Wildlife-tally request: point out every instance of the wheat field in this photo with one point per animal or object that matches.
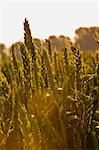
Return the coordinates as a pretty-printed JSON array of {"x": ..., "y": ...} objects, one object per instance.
[{"x": 48, "y": 99}]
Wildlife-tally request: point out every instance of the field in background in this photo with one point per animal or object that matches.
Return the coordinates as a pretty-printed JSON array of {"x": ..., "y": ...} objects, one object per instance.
[{"x": 48, "y": 98}]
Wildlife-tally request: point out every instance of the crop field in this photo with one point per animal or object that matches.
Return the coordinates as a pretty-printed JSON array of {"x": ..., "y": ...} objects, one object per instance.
[{"x": 49, "y": 99}]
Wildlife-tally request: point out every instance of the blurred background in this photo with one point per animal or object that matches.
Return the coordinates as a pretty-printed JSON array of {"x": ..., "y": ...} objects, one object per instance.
[{"x": 47, "y": 18}]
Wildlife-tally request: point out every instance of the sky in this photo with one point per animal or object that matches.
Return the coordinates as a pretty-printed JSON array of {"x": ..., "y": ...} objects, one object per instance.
[{"x": 54, "y": 17}]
